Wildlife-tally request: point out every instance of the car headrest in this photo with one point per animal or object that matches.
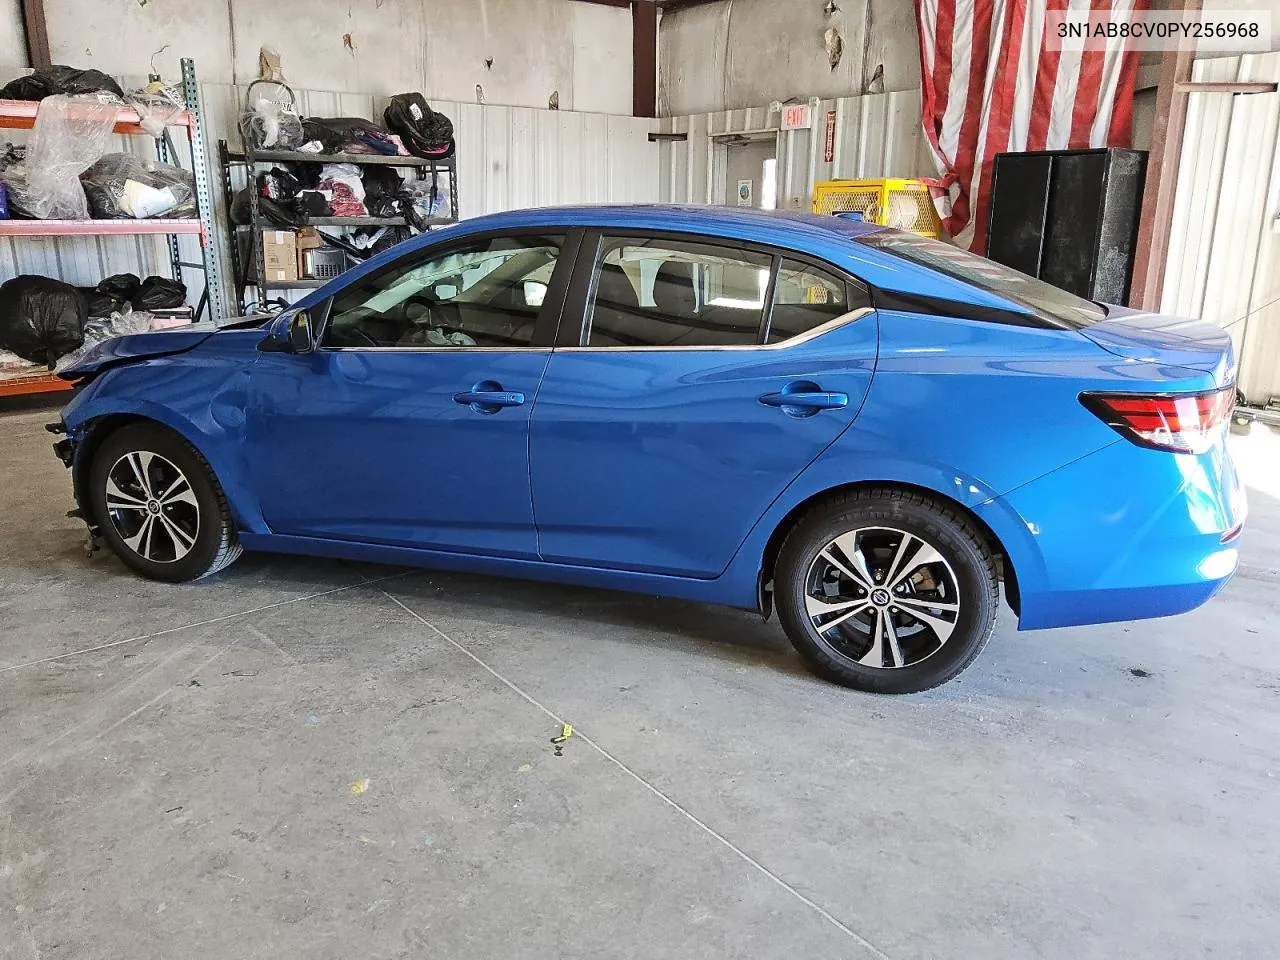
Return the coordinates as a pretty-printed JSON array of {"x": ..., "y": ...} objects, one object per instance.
[
  {"x": 614, "y": 288},
  {"x": 673, "y": 291}
]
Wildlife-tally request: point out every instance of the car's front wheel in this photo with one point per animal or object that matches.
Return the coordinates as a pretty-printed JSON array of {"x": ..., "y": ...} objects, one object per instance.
[
  {"x": 886, "y": 590},
  {"x": 159, "y": 506}
]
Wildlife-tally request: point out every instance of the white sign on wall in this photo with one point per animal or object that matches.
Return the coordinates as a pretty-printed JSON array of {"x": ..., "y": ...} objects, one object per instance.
[
  {"x": 746, "y": 193},
  {"x": 795, "y": 116}
]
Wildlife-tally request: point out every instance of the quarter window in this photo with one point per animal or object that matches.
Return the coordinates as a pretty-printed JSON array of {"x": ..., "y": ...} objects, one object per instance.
[
  {"x": 665, "y": 293},
  {"x": 487, "y": 294},
  {"x": 806, "y": 297}
]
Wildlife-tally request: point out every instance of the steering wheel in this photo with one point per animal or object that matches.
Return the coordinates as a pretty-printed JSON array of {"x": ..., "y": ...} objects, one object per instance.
[{"x": 430, "y": 304}]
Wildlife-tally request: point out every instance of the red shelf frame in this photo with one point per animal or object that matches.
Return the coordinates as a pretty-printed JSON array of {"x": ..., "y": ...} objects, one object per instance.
[
  {"x": 43, "y": 382},
  {"x": 21, "y": 115},
  {"x": 81, "y": 228}
]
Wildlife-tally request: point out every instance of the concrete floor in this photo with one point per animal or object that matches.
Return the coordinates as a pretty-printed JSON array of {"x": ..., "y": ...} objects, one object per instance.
[{"x": 333, "y": 760}]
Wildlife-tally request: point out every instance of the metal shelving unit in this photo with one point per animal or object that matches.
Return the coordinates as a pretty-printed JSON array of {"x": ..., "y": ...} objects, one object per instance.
[
  {"x": 21, "y": 115},
  {"x": 252, "y": 159}
]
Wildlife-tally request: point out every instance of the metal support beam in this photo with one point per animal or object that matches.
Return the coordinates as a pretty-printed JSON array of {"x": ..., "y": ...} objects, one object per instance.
[
  {"x": 37, "y": 34},
  {"x": 1225, "y": 87},
  {"x": 644, "y": 55},
  {"x": 1156, "y": 222}
]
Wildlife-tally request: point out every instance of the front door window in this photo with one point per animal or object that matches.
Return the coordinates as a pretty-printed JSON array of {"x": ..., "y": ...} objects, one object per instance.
[{"x": 488, "y": 294}]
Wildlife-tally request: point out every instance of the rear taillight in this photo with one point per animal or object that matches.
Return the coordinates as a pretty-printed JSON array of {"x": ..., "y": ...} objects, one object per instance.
[{"x": 1178, "y": 422}]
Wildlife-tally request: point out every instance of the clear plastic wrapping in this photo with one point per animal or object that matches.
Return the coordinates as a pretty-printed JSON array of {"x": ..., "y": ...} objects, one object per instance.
[
  {"x": 268, "y": 124},
  {"x": 70, "y": 133},
  {"x": 158, "y": 105},
  {"x": 121, "y": 185},
  {"x": 104, "y": 328}
]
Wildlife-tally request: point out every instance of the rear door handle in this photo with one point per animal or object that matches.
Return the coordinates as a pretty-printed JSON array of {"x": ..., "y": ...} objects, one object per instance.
[
  {"x": 496, "y": 398},
  {"x": 808, "y": 400}
]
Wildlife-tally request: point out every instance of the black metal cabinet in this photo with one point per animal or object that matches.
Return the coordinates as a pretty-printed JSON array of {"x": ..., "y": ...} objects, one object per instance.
[{"x": 1069, "y": 217}]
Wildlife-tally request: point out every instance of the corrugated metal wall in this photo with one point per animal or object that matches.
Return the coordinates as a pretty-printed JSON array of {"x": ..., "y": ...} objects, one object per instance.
[
  {"x": 508, "y": 157},
  {"x": 877, "y": 135},
  {"x": 1224, "y": 255}
]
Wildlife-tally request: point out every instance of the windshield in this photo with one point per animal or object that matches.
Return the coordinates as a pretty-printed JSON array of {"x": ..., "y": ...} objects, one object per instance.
[{"x": 1046, "y": 301}]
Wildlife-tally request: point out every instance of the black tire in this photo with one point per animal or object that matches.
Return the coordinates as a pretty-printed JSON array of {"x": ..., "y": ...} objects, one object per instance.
[
  {"x": 202, "y": 515},
  {"x": 964, "y": 576}
]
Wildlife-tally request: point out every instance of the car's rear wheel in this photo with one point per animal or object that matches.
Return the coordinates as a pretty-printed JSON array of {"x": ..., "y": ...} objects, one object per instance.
[
  {"x": 159, "y": 506},
  {"x": 887, "y": 591}
]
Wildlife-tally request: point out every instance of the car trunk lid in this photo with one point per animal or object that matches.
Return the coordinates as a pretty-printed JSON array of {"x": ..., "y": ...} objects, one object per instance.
[{"x": 1171, "y": 341}]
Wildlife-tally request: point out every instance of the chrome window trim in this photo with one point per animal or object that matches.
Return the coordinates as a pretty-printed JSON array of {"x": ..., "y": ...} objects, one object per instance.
[
  {"x": 833, "y": 323},
  {"x": 434, "y": 349}
]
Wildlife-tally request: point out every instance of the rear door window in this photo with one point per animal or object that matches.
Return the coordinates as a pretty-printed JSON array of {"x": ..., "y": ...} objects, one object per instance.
[
  {"x": 806, "y": 297},
  {"x": 669, "y": 293}
]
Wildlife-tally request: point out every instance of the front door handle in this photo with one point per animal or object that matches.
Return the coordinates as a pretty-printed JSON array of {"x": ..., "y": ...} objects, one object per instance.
[
  {"x": 488, "y": 397},
  {"x": 802, "y": 398}
]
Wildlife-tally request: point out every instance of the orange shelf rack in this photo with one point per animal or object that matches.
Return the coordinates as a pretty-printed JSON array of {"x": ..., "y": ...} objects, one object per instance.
[
  {"x": 96, "y": 228},
  {"x": 21, "y": 115},
  {"x": 42, "y": 382}
]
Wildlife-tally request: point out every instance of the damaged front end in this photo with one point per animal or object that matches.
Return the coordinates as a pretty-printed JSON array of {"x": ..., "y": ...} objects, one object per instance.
[{"x": 67, "y": 450}]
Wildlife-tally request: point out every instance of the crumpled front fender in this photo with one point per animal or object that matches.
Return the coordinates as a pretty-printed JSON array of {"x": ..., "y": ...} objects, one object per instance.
[{"x": 137, "y": 346}]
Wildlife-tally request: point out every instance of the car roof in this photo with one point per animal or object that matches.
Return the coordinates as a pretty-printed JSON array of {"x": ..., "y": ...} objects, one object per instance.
[{"x": 764, "y": 225}]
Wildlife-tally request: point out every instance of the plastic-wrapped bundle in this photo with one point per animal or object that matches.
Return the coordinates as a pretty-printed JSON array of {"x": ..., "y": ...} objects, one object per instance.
[
  {"x": 40, "y": 318},
  {"x": 12, "y": 365},
  {"x": 424, "y": 199},
  {"x": 158, "y": 105},
  {"x": 121, "y": 185},
  {"x": 70, "y": 133},
  {"x": 268, "y": 124},
  {"x": 119, "y": 324}
]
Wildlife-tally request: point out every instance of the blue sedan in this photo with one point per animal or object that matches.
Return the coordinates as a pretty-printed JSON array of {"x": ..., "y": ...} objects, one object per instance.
[{"x": 865, "y": 428}]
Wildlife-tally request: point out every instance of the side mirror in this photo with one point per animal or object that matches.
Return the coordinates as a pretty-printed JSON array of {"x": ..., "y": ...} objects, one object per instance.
[
  {"x": 297, "y": 339},
  {"x": 300, "y": 337}
]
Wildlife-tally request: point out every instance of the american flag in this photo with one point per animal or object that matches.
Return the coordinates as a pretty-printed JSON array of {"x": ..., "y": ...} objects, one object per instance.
[{"x": 991, "y": 84}]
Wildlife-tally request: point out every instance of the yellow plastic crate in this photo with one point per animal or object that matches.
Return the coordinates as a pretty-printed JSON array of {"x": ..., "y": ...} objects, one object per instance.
[{"x": 891, "y": 202}]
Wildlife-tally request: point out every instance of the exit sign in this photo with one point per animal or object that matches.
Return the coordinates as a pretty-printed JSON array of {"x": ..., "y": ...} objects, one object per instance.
[{"x": 795, "y": 116}]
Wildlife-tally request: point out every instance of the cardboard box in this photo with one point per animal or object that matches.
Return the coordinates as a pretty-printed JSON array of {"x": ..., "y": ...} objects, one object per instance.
[
  {"x": 308, "y": 238},
  {"x": 280, "y": 255}
]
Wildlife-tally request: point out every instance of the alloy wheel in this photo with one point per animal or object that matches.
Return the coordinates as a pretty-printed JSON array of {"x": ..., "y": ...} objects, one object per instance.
[
  {"x": 152, "y": 506},
  {"x": 882, "y": 597}
]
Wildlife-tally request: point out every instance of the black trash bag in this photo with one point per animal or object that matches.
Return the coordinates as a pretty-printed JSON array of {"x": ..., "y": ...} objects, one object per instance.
[
  {"x": 278, "y": 184},
  {"x": 280, "y": 214},
  {"x": 41, "y": 318},
  {"x": 423, "y": 131},
  {"x": 59, "y": 78},
  {"x": 336, "y": 132},
  {"x": 159, "y": 293},
  {"x": 382, "y": 187},
  {"x": 312, "y": 203},
  {"x": 121, "y": 287},
  {"x": 97, "y": 303},
  {"x": 390, "y": 237}
]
